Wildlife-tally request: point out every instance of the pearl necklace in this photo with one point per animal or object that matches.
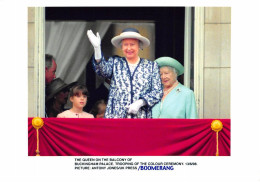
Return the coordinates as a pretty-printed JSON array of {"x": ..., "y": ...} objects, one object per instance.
[{"x": 167, "y": 91}]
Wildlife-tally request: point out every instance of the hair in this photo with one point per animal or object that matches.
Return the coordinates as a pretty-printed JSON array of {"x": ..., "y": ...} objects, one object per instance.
[
  {"x": 48, "y": 60},
  {"x": 140, "y": 44},
  {"x": 95, "y": 109},
  {"x": 173, "y": 70},
  {"x": 77, "y": 89}
]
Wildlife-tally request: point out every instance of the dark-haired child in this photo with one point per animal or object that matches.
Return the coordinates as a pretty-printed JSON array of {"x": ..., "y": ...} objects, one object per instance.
[{"x": 78, "y": 97}]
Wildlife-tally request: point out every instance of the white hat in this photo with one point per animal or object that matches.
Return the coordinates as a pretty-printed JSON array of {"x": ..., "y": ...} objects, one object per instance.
[{"x": 130, "y": 33}]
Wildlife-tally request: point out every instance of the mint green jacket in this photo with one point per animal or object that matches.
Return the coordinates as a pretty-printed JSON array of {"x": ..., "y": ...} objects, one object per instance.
[{"x": 179, "y": 103}]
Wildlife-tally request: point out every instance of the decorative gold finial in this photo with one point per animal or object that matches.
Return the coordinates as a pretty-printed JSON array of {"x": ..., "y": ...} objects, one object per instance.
[
  {"x": 37, "y": 122},
  {"x": 216, "y": 125}
]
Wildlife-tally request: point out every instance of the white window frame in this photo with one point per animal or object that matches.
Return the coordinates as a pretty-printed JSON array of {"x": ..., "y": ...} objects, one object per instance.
[
  {"x": 39, "y": 61},
  {"x": 187, "y": 46},
  {"x": 199, "y": 59}
]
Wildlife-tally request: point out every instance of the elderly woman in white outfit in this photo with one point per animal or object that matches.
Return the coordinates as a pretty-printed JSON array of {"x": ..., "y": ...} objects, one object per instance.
[{"x": 135, "y": 82}]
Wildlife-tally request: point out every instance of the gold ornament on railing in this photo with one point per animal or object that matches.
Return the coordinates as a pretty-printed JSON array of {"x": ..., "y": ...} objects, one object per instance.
[
  {"x": 37, "y": 123},
  {"x": 216, "y": 125}
]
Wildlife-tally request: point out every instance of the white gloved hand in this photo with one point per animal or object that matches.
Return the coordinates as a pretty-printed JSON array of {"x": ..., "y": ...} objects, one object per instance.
[
  {"x": 134, "y": 107},
  {"x": 96, "y": 43}
]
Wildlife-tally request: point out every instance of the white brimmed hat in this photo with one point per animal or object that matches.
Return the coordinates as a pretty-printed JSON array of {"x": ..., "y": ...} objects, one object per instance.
[{"x": 130, "y": 33}]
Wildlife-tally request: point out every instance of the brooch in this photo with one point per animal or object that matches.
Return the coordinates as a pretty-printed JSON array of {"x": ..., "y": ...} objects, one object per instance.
[{"x": 178, "y": 90}]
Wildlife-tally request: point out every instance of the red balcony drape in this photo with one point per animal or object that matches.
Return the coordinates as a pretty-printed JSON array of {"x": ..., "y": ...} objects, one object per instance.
[{"x": 128, "y": 137}]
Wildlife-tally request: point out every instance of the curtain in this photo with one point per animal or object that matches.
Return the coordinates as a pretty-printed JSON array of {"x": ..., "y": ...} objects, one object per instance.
[
  {"x": 128, "y": 137},
  {"x": 68, "y": 42}
]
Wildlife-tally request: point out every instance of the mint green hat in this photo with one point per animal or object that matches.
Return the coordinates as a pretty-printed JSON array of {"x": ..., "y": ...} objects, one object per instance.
[{"x": 168, "y": 61}]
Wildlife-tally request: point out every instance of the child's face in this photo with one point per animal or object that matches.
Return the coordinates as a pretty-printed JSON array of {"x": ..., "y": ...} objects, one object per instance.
[
  {"x": 79, "y": 100},
  {"x": 101, "y": 111}
]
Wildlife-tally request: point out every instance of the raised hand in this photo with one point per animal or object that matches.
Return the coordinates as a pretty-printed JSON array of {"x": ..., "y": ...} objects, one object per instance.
[
  {"x": 95, "y": 40},
  {"x": 96, "y": 43}
]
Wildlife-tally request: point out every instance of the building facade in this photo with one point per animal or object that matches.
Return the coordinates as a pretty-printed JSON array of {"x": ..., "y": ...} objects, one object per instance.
[{"x": 211, "y": 52}]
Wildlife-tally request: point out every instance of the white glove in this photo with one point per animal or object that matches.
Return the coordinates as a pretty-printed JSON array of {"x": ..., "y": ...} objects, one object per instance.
[
  {"x": 96, "y": 43},
  {"x": 134, "y": 107}
]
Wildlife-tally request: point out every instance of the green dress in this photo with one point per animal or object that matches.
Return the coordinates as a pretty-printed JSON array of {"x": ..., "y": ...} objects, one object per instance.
[{"x": 179, "y": 103}]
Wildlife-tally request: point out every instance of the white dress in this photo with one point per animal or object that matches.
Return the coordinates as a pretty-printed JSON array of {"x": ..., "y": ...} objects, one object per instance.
[{"x": 69, "y": 114}]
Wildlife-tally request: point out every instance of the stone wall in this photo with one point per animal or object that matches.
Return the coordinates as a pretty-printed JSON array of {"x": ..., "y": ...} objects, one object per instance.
[
  {"x": 217, "y": 65},
  {"x": 31, "y": 82}
]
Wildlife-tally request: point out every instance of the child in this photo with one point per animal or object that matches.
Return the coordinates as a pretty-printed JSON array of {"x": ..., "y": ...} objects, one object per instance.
[
  {"x": 78, "y": 97},
  {"x": 99, "y": 109}
]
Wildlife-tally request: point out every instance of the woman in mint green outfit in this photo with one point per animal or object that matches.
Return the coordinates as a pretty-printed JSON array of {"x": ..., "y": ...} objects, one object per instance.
[{"x": 178, "y": 101}]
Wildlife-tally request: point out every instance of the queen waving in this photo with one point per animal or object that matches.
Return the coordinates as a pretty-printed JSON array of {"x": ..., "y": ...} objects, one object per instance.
[{"x": 135, "y": 82}]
